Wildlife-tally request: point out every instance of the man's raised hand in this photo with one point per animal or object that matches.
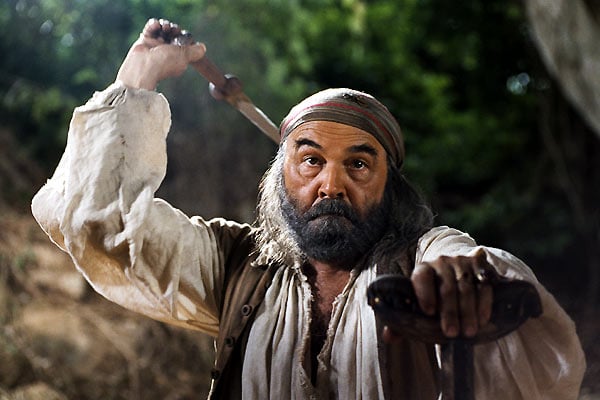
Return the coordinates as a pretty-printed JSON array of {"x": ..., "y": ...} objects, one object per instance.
[{"x": 160, "y": 52}]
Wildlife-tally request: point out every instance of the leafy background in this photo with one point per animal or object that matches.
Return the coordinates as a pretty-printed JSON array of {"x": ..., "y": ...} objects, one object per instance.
[{"x": 490, "y": 140}]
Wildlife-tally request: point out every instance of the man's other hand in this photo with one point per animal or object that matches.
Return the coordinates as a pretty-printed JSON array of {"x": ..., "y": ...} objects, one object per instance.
[{"x": 458, "y": 289}]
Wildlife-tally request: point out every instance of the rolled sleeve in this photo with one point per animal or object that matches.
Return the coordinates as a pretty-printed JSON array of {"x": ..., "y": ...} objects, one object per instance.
[
  {"x": 543, "y": 359},
  {"x": 99, "y": 206}
]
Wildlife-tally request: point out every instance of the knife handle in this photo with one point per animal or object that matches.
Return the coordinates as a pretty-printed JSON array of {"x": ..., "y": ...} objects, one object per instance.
[{"x": 222, "y": 87}]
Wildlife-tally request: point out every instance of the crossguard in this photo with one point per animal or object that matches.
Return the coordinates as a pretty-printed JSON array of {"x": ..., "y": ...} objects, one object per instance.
[{"x": 393, "y": 299}]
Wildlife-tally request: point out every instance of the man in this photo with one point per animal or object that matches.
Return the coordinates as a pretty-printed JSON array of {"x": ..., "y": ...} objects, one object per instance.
[{"x": 286, "y": 298}]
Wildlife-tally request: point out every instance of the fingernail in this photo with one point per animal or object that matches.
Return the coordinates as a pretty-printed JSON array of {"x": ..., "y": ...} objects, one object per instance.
[
  {"x": 470, "y": 331},
  {"x": 451, "y": 331}
]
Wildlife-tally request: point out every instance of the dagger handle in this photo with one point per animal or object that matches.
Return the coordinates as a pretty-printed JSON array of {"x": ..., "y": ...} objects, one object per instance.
[{"x": 222, "y": 87}]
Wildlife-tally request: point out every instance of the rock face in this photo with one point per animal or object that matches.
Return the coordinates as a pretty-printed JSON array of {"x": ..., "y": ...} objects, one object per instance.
[{"x": 36, "y": 391}]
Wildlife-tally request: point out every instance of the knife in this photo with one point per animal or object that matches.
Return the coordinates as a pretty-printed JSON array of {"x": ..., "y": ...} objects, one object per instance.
[{"x": 230, "y": 89}]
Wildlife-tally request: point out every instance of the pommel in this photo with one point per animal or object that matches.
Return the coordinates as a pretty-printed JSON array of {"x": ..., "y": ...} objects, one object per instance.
[{"x": 395, "y": 304}]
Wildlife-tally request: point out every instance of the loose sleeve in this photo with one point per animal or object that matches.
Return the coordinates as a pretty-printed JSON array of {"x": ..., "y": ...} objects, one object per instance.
[
  {"x": 99, "y": 207},
  {"x": 543, "y": 359}
]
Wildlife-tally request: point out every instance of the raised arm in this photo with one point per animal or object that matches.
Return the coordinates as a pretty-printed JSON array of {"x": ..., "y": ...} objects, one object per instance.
[{"x": 99, "y": 206}]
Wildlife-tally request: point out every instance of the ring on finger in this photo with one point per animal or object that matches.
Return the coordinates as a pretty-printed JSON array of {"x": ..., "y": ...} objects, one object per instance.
[{"x": 483, "y": 275}]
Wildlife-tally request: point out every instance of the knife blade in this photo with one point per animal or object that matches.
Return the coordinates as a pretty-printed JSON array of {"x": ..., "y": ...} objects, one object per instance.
[{"x": 230, "y": 89}]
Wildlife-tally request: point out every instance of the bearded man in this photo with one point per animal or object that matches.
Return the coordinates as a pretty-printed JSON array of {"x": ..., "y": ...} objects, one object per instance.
[{"x": 286, "y": 298}]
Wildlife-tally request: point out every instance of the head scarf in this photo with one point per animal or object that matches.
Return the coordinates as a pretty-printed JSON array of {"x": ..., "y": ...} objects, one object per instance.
[{"x": 353, "y": 108}]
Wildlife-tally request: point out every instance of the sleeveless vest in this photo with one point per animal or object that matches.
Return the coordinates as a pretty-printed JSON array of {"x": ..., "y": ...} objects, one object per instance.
[{"x": 246, "y": 285}]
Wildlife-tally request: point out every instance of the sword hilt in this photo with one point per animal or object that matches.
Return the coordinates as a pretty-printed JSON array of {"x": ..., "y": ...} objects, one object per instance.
[{"x": 393, "y": 299}]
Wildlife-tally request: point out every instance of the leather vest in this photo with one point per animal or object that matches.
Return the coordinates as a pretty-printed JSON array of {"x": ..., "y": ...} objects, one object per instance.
[{"x": 245, "y": 288}]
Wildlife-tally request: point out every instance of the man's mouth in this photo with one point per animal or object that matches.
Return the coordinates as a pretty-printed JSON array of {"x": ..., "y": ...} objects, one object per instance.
[
  {"x": 341, "y": 221},
  {"x": 330, "y": 215}
]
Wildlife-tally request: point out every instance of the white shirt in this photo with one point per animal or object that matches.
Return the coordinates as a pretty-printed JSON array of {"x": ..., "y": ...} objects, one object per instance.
[{"x": 142, "y": 253}]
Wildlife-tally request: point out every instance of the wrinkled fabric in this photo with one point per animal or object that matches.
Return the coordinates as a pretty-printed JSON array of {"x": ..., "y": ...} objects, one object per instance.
[
  {"x": 353, "y": 108},
  {"x": 147, "y": 256}
]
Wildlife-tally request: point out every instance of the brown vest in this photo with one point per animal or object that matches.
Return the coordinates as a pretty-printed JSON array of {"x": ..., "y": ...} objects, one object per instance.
[
  {"x": 244, "y": 293},
  {"x": 246, "y": 285}
]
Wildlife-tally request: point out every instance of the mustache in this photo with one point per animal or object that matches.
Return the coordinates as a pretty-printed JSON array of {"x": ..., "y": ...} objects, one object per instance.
[{"x": 331, "y": 207}]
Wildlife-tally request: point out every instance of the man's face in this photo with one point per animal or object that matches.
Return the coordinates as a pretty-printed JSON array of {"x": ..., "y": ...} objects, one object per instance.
[{"x": 335, "y": 177}]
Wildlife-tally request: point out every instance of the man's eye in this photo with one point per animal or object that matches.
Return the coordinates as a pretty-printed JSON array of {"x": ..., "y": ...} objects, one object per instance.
[
  {"x": 311, "y": 160},
  {"x": 358, "y": 164}
]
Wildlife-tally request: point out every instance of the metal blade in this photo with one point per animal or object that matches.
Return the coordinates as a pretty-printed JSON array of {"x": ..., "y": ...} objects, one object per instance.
[
  {"x": 256, "y": 116},
  {"x": 230, "y": 89}
]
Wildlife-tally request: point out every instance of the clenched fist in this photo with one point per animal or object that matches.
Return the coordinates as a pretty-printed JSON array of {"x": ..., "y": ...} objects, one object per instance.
[{"x": 162, "y": 51}]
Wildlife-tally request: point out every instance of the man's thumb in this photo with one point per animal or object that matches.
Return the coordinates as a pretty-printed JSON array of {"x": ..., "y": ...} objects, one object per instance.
[{"x": 195, "y": 52}]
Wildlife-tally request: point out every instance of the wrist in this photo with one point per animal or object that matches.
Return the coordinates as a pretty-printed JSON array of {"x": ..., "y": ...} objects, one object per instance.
[
  {"x": 136, "y": 85},
  {"x": 135, "y": 74}
]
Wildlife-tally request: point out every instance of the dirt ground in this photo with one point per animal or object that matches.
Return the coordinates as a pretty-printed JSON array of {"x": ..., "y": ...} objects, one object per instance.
[{"x": 60, "y": 340}]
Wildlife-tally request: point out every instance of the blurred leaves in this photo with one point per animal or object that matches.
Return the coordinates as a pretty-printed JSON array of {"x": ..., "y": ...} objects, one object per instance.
[
  {"x": 490, "y": 140},
  {"x": 462, "y": 78}
]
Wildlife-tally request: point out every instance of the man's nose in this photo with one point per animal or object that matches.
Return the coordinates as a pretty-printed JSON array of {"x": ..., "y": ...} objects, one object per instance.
[{"x": 332, "y": 183}]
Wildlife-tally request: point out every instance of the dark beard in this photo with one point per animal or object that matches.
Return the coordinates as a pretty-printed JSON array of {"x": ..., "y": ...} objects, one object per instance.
[{"x": 332, "y": 232}]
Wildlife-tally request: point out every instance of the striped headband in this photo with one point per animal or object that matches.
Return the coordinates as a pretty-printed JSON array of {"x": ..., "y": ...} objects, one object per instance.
[{"x": 353, "y": 108}]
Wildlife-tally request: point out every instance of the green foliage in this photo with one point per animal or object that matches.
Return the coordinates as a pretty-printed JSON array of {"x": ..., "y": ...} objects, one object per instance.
[{"x": 461, "y": 78}]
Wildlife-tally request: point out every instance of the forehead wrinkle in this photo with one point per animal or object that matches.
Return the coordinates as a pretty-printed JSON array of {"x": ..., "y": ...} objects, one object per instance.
[
  {"x": 307, "y": 142},
  {"x": 355, "y": 149}
]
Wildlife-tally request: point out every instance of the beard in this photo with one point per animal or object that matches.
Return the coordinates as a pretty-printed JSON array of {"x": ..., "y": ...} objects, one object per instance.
[
  {"x": 287, "y": 235},
  {"x": 332, "y": 231}
]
